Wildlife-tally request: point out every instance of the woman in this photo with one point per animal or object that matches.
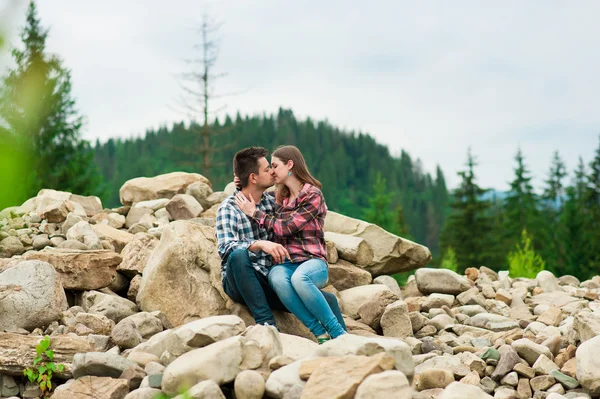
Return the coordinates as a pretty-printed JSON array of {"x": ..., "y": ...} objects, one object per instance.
[{"x": 298, "y": 226}]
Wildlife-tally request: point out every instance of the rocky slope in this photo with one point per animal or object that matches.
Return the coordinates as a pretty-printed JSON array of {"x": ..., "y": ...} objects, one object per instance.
[{"x": 133, "y": 304}]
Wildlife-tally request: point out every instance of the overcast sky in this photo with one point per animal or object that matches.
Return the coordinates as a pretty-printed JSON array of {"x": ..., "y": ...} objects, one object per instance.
[{"x": 432, "y": 78}]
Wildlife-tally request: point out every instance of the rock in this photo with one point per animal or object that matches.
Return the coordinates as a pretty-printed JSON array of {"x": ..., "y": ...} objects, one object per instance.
[
  {"x": 387, "y": 384},
  {"x": 57, "y": 212},
  {"x": 332, "y": 254},
  {"x": 203, "y": 390},
  {"x": 588, "y": 365},
  {"x": 542, "y": 382},
  {"x": 8, "y": 386},
  {"x": 344, "y": 275},
  {"x": 508, "y": 360},
  {"x": 80, "y": 270},
  {"x": 118, "y": 238},
  {"x": 434, "y": 301},
  {"x": 135, "y": 215},
  {"x": 74, "y": 244},
  {"x": 524, "y": 370},
  {"x": 586, "y": 324},
  {"x": 354, "y": 298},
  {"x": 183, "y": 207},
  {"x": 492, "y": 322},
  {"x": 371, "y": 311},
  {"x": 296, "y": 347},
  {"x": 186, "y": 253},
  {"x": 565, "y": 380},
  {"x": 350, "y": 248},
  {"x": 434, "y": 378},
  {"x": 90, "y": 387},
  {"x": 390, "y": 282},
  {"x": 98, "y": 324},
  {"x": 145, "y": 393},
  {"x": 90, "y": 204},
  {"x": 134, "y": 376},
  {"x": 392, "y": 254},
  {"x": 551, "y": 317},
  {"x": 511, "y": 379},
  {"x": 342, "y": 376},
  {"x": 41, "y": 241},
  {"x": 268, "y": 341},
  {"x": 220, "y": 362},
  {"x": 395, "y": 320},
  {"x": 201, "y": 192},
  {"x": 353, "y": 344},
  {"x": 530, "y": 351},
  {"x": 11, "y": 246},
  {"x": 100, "y": 364},
  {"x": 440, "y": 281},
  {"x": 543, "y": 365},
  {"x": 83, "y": 232},
  {"x": 33, "y": 296},
  {"x": 284, "y": 381},
  {"x": 112, "y": 306},
  {"x": 547, "y": 281},
  {"x": 136, "y": 254},
  {"x": 457, "y": 390},
  {"x": 162, "y": 186},
  {"x": 18, "y": 351},
  {"x": 249, "y": 384}
]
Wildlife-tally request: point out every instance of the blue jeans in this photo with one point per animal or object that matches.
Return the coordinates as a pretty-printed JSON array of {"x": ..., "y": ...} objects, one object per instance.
[
  {"x": 298, "y": 286},
  {"x": 247, "y": 286}
]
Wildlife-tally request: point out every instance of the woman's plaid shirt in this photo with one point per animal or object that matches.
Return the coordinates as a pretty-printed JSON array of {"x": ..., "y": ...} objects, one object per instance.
[
  {"x": 236, "y": 231},
  {"x": 298, "y": 225}
]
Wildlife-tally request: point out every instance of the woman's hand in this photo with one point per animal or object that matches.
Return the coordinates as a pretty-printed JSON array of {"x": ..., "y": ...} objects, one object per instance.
[{"x": 247, "y": 206}]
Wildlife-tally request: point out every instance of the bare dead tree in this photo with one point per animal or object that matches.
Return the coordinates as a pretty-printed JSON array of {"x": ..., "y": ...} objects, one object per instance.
[{"x": 199, "y": 93}]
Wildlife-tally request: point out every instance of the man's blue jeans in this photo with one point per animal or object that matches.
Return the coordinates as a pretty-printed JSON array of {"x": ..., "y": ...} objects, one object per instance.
[
  {"x": 298, "y": 286},
  {"x": 247, "y": 286}
]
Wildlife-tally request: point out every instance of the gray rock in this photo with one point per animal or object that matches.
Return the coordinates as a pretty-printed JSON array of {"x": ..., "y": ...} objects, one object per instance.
[
  {"x": 440, "y": 281},
  {"x": 100, "y": 364}
]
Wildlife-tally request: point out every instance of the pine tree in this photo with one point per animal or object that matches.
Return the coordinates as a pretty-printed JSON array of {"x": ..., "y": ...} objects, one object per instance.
[
  {"x": 39, "y": 114},
  {"x": 592, "y": 219},
  {"x": 552, "y": 248},
  {"x": 520, "y": 206},
  {"x": 378, "y": 211},
  {"x": 469, "y": 227},
  {"x": 573, "y": 234}
]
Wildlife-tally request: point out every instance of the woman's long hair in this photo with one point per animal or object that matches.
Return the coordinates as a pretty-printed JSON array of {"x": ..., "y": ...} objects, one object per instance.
[{"x": 289, "y": 152}]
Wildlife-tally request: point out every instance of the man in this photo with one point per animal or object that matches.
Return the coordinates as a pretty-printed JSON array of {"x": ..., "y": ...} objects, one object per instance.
[{"x": 246, "y": 251}]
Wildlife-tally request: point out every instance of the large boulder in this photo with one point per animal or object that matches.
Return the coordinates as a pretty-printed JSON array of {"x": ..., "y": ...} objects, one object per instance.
[
  {"x": 354, "y": 298},
  {"x": 184, "y": 207},
  {"x": 36, "y": 297},
  {"x": 80, "y": 270},
  {"x": 118, "y": 238},
  {"x": 391, "y": 254},
  {"x": 162, "y": 186},
  {"x": 92, "y": 388},
  {"x": 183, "y": 275}
]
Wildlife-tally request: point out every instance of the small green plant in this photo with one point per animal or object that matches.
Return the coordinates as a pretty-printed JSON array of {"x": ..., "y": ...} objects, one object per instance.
[
  {"x": 523, "y": 261},
  {"x": 43, "y": 366},
  {"x": 449, "y": 260}
]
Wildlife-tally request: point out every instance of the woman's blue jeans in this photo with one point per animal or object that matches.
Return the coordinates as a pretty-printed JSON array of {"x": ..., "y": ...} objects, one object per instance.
[{"x": 298, "y": 287}]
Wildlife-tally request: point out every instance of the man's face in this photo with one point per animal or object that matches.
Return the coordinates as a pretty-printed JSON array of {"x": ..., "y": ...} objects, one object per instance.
[{"x": 264, "y": 177}]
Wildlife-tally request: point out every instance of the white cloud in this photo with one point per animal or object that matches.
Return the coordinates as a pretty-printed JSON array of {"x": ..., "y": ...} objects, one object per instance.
[{"x": 430, "y": 77}]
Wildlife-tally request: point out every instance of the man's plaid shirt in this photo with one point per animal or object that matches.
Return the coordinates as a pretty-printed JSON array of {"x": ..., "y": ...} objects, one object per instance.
[{"x": 236, "y": 231}]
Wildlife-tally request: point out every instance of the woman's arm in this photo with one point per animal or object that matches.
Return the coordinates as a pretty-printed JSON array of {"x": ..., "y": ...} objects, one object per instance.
[{"x": 306, "y": 210}]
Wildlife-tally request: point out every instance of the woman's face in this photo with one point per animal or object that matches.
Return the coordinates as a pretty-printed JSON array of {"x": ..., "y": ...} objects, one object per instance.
[{"x": 279, "y": 170}]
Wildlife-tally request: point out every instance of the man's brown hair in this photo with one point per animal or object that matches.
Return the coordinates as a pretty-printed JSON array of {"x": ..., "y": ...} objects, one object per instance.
[{"x": 245, "y": 162}]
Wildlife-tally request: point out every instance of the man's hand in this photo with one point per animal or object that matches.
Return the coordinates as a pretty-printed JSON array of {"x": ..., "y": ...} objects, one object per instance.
[{"x": 277, "y": 251}]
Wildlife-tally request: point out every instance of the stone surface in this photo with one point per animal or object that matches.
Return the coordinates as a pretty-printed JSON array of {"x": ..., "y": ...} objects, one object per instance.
[
  {"x": 32, "y": 296},
  {"x": 135, "y": 255},
  {"x": 344, "y": 275},
  {"x": 351, "y": 248},
  {"x": 440, "y": 281},
  {"x": 183, "y": 275},
  {"x": 80, "y": 270},
  {"x": 391, "y": 254},
  {"x": 162, "y": 186},
  {"x": 90, "y": 387}
]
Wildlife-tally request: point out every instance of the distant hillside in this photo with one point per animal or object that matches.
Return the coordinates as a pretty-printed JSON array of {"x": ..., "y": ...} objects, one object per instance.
[{"x": 347, "y": 163}]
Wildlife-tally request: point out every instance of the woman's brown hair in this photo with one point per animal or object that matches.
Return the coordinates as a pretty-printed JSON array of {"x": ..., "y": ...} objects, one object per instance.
[{"x": 289, "y": 152}]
